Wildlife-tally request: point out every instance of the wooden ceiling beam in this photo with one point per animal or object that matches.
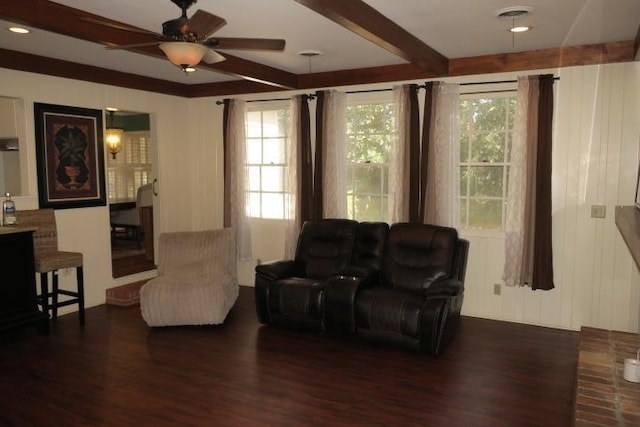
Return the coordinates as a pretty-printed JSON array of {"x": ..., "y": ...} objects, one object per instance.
[
  {"x": 521, "y": 61},
  {"x": 362, "y": 19},
  {"x": 57, "y": 18}
]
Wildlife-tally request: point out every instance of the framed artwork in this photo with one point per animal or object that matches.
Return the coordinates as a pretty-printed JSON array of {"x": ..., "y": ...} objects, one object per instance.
[{"x": 70, "y": 156}]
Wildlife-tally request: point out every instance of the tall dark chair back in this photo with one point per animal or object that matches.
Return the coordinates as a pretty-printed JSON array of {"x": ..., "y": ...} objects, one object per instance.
[
  {"x": 418, "y": 255},
  {"x": 325, "y": 246}
]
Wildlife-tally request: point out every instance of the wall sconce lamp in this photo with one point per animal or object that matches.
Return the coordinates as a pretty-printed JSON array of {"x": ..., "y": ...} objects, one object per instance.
[{"x": 113, "y": 137}]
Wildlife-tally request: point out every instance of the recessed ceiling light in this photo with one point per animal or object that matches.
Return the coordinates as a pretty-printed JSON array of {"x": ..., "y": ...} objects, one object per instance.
[
  {"x": 111, "y": 109},
  {"x": 18, "y": 30},
  {"x": 520, "y": 29}
]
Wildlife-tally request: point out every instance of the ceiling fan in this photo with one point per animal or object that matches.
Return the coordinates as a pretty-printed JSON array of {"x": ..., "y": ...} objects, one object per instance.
[{"x": 187, "y": 41}]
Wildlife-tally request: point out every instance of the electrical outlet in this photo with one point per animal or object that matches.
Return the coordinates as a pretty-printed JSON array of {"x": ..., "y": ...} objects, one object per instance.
[
  {"x": 598, "y": 211},
  {"x": 497, "y": 289}
]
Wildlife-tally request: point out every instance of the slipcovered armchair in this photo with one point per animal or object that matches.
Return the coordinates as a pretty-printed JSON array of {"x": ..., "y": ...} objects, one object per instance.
[
  {"x": 197, "y": 279},
  {"x": 290, "y": 293},
  {"x": 415, "y": 302}
]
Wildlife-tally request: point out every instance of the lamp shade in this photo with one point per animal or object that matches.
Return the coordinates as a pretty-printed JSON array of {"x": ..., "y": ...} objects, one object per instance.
[
  {"x": 184, "y": 54},
  {"x": 113, "y": 140}
]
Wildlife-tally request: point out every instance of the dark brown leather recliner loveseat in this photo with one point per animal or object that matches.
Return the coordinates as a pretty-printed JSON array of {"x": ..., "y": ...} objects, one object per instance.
[{"x": 401, "y": 285}]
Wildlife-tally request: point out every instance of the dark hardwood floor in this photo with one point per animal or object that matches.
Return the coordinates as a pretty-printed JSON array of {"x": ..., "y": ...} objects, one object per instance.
[{"x": 118, "y": 372}]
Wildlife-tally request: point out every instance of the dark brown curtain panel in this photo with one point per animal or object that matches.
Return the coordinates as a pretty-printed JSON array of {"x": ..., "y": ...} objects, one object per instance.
[
  {"x": 305, "y": 195},
  {"x": 543, "y": 252},
  {"x": 225, "y": 166},
  {"x": 318, "y": 171},
  {"x": 413, "y": 133}
]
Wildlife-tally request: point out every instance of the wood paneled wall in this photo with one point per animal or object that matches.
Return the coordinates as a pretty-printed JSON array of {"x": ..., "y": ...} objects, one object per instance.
[{"x": 595, "y": 161}]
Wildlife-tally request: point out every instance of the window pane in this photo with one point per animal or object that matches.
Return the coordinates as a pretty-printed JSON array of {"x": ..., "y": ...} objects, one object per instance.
[
  {"x": 463, "y": 212},
  {"x": 464, "y": 179},
  {"x": 489, "y": 114},
  {"x": 272, "y": 124},
  {"x": 272, "y": 205},
  {"x": 369, "y": 148},
  {"x": 486, "y": 129},
  {"x": 254, "y": 151},
  {"x": 254, "y": 178},
  {"x": 368, "y": 208},
  {"x": 367, "y": 179},
  {"x": 464, "y": 147},
  {"x": 272, "y": 178},
  {"x": 485, "y": 181},
  {"x": 488, "y": 147},
  {"x": 254, "y": 124},
  {"x": 274, "y": 151},
  {"x": 254, "y": 205},
  {"x": 485, "y": 214}
]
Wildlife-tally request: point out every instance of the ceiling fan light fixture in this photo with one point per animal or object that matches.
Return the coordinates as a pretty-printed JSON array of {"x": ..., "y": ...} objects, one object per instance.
[
  {"x": 520, "y": 29},
  {"x": 184, "y": 54}
]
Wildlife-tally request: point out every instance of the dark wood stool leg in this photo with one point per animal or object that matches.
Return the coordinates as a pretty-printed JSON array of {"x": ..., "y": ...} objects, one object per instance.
[
  {"x": 54, "y": 295},
  {"x": 80, "y": 279},
  {"x": 44, "y": 291}
]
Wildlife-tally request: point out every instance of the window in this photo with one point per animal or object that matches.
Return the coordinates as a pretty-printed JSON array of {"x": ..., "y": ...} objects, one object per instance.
[
  {"x": 370, "y": 131},
  {"x": 131, "y": 168},
  {"x": 267, "y": 141},
  {"x": 487, "y": 128}
]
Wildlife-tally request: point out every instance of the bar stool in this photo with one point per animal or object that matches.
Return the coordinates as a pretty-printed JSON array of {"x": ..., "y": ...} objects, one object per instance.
[{"x": 48, "y": 259}]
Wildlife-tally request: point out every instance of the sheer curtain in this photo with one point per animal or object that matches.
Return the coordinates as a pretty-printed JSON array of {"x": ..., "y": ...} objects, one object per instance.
[
  {"x": 443, "y": 178},
  {"x": 235, "y": 176},
  {"x": 405, "y": 104},
  {"x": 298, "y": 173},
  {"x": 330, "y": 189},
  {"x": 528, "y": 251}
]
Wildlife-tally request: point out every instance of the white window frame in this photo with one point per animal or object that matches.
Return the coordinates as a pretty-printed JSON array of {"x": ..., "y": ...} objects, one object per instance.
[
  {"x": 464, "y": 196},
  {"x": 384, "y": 97},
  {"x": 261, "y": 192}
]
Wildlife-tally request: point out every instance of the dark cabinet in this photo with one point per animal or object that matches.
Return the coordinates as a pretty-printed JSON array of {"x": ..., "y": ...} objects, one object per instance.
[{"x": 18, "y": 304}]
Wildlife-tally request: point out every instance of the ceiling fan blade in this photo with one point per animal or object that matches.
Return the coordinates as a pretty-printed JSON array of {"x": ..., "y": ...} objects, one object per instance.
[
  {"x": 119, "y": 26},
  {"x": 240, "y": 43},
  {"x": 211, "y": 57},
  {"x": 130, "y": 46},
  {"x": 204, "y": 23}
]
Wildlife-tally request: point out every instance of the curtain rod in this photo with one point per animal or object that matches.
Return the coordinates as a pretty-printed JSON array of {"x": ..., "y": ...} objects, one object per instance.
[{"x": 389, "y": 89}]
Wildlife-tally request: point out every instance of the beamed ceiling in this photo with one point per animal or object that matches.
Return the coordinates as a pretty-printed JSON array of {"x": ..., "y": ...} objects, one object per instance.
[{"x": 361, "y": 42}]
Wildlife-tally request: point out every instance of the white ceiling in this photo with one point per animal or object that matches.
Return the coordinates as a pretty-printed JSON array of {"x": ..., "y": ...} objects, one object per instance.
[{"x": 455, "y": 28}]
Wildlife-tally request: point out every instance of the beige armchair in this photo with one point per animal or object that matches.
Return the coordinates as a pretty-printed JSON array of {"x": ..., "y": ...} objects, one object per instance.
[{"x": 197, "y": 279}]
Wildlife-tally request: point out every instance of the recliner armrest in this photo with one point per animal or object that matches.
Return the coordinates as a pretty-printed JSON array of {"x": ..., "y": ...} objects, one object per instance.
[
  {"x": 279, "y": 269},
  {"x": 339, "y": 301},
  {"x": 448, "y": 287}
]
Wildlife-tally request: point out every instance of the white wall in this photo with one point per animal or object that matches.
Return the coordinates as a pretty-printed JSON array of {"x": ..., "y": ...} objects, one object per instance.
[
  {"x": 595, "y": 159},
  {"x": 86, "y": 230}
]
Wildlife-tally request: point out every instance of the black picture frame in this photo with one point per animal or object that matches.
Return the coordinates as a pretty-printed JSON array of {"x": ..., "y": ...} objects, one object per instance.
[
  {"x": 70, "y": 156},
  {"x": 637, "y": 202}
]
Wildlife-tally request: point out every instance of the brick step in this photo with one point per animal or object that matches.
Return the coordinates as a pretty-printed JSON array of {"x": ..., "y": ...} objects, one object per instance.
[{"x": 125, "y": 295}]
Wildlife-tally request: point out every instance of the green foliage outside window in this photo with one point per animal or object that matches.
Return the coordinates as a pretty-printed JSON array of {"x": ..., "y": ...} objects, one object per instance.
[
  {"x": 486, "y": 126},
  {"x": 370, "y": 131}
]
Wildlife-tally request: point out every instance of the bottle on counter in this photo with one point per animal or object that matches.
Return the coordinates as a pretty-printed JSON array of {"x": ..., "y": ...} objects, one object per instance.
[{"x": 9, "y": 211}]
